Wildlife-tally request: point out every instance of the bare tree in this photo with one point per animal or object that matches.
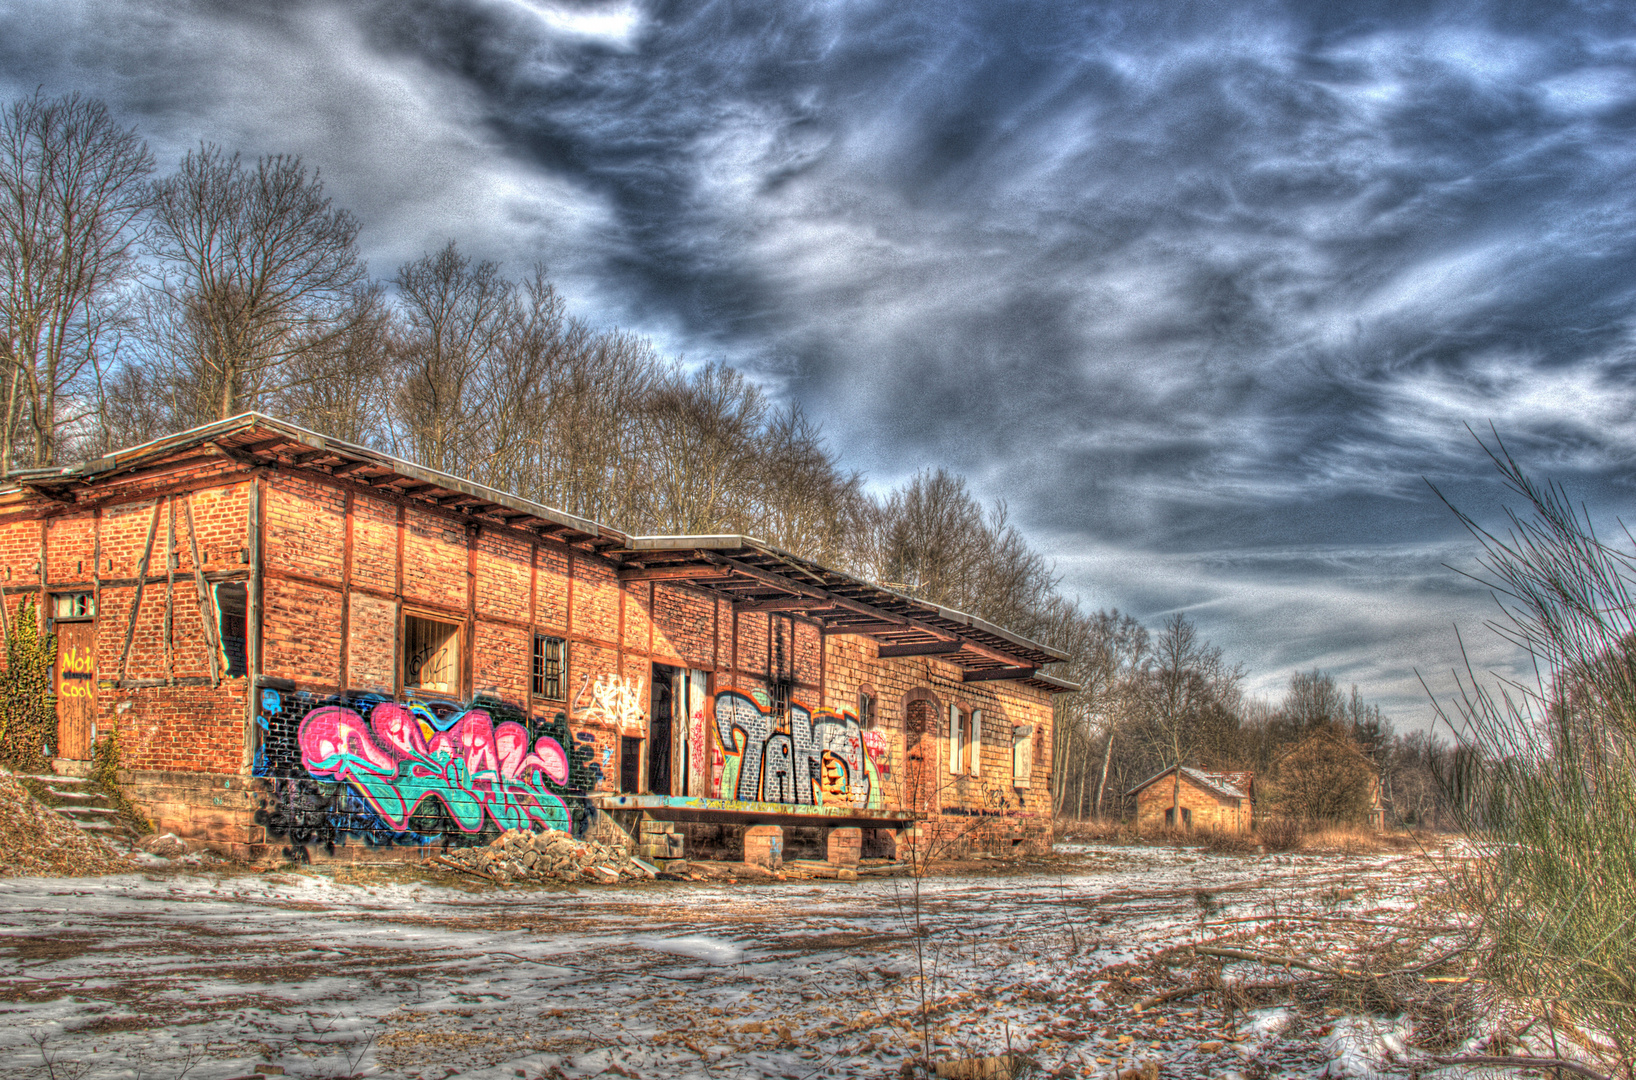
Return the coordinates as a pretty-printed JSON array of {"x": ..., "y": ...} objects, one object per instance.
[
  {"x": 699, "y": 432},
  {"x": 341, "y": 387},
  {"x": 1188, "y": 687},
  {"x": 260, "y": 273},
  {"x": 456, "y": 320},
  {"x": 71, "y": 194}
]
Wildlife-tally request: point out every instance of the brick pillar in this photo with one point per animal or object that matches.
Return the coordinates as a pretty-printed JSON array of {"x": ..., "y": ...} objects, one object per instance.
[
  {"x": 764, "y": 846},
  {"x": 845, "y": 846}
]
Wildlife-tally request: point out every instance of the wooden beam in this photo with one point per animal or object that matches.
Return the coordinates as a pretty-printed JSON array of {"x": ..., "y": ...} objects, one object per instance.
[
  {"x": 905, "y": 622},
  {"x": 994, "y": 674},
  {"x": 786, "y": 603},
  {"x": 259, "y": 448},
  {"x": 350, "y": 467},
  {"x": 867, "y": 628},
  {"x": 676, "y": 573},
  {"x": 141, "y": 582},
  {"x": 921, "y": 648}
]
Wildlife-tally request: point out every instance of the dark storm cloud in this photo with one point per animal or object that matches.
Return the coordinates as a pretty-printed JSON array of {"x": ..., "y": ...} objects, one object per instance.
[{"x": 1205, "y": 291}]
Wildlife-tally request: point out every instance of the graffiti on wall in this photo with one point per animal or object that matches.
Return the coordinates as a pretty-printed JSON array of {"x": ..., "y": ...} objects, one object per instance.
[
  {"x": 806, "y": 759},
  {"x": 427, "y": 772},
  {"x": 615, "y": 701},
  {"x": 478, "y": 771}
]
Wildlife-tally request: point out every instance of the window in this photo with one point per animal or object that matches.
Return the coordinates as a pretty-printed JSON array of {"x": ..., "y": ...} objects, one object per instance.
[
  {"x": 73, "y": 605},
  {"x": 1170, "y": 817},
  {"x": 974, "y": 745},
  {"x": 232, "y": 598},
  {"x": 549, "y": 653},
  {"x": 1022, "y": 756},
  {"x": 431, "y": 655},
  {"x": 956, "y": 740},
  {"x": 866, "y": 709}
]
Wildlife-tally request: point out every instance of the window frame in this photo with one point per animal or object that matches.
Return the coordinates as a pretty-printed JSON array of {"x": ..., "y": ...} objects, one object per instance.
[
  {"x": 88, "y": 598},
  {"x": 541, "y": 658},
  {"x": 458, "y": 683}
]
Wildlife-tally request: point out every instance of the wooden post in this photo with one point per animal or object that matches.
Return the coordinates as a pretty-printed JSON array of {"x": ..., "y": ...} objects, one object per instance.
[
  {"x": 170, "y": 592},
  {"x": 346, "y": 595},
  {"x": 141, "y": 583},
  {"x": 207, "y": 604}
]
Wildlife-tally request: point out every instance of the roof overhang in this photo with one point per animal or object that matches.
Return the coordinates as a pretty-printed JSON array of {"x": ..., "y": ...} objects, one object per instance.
[{"x": 752, "y": 574}]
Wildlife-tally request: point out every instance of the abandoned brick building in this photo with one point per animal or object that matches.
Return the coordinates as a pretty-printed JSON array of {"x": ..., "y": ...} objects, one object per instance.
[
  {"x": 1215, "y": 802},
  {"x": 310, "y": 647}
]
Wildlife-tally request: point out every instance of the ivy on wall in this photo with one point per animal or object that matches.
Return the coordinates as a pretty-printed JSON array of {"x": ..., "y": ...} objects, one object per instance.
[{"x": 28, "y": 717}]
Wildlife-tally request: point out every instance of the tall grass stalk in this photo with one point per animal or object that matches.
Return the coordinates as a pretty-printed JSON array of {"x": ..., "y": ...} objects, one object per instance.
[{"x": 1544, "y": 782}]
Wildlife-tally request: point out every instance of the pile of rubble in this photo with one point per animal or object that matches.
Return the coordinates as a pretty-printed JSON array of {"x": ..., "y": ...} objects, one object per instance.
[
  {"x": 520, "y": 855},
  {"x": 36, "y": 840}
]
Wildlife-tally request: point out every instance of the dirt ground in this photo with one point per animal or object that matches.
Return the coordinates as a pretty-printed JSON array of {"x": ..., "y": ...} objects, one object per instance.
[{"x": 206, "y": 975}]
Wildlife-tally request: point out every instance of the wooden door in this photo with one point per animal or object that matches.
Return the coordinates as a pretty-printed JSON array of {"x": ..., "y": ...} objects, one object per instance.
[{"x": 76, "y": 688}]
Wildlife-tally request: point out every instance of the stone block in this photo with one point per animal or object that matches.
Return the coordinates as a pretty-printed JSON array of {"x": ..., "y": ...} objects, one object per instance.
[
  {"x": 764, "y": 846},
  {"x": 844, "y": 846}
]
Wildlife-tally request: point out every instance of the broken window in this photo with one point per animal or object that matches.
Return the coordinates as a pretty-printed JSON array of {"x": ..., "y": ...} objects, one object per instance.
[
  {"x": 866, "y": 709},
  {"x": 232, "y": 601},
  {"x": 549, "y": 654},
  {"x": 74, "y": 605},
  {"x": 431, "y": 655}
]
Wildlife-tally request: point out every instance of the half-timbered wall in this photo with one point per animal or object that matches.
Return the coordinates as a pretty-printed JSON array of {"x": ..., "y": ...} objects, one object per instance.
[{"x": 220, "y": 733}]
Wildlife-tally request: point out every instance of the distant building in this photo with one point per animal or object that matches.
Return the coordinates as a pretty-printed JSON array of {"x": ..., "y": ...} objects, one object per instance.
[
  {"x": 1219, "y": 802},
  {"x": 314, "y": 648}
]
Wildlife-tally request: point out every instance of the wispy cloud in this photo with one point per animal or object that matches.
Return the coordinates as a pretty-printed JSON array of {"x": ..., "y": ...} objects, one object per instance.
[{"x": 1207, "y": 292}]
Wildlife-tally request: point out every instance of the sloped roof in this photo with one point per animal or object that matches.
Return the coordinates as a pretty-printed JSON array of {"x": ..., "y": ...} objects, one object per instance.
[
  {"x": 743, "y": 569},
  {"x": 1235, "y": 785}
]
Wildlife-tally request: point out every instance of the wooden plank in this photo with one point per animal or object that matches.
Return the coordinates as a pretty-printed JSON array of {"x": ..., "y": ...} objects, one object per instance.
[
  {"x": 995, "y": 674},
  {"x": 925, "y": 648},
  {"x": 207, "y": 602},
  {"x": 677, "y": 573},
  {"x": 141, "y": 583}
]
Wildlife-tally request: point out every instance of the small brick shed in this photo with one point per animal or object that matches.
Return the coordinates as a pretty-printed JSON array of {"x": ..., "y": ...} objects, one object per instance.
[
  {"x": 1219, "y": 802},
  {"x": 312, "y": 648}
]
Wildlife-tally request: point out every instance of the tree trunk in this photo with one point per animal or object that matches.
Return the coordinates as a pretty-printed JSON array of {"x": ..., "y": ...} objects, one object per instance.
[{"x": 1102, "y": 788}]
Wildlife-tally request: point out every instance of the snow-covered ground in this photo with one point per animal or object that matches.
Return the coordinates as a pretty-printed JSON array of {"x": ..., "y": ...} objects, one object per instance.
[{"x": 208, "y": 974}]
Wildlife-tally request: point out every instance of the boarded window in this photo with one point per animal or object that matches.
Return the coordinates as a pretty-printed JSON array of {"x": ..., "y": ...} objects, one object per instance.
[
  {"x": 548, "y": 666},
  {"x": 1022, "y": 755},
  {"x": 431, "y": 655},
  {"x": 232, "y": 600}
]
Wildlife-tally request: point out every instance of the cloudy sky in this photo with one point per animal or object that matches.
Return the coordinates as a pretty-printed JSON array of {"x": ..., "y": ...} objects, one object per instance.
[{"x": 1207, "y": 292}]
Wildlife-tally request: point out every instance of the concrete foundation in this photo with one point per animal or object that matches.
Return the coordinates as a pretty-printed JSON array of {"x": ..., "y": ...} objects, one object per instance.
[
  {"x": 764, "y": 846},
  {"x": 845, "y": 847}
]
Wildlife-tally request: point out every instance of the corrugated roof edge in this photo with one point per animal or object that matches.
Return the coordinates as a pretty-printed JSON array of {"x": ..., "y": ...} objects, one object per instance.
[
  {"x": 341, "y": 448},
  {"x": 1210, "y": 781},
  {"x": 131, "y": 456},
  {"x": 734, "y": 543}
]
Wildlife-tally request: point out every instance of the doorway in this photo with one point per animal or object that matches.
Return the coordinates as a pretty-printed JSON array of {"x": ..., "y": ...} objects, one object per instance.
[
  {"x": 661, "y": 728},
  {"x": 630, "y": 765}
]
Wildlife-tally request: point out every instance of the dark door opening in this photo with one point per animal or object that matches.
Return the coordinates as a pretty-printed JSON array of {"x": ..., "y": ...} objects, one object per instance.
[
  {"x": 630, "y": 765},
  {"x": 660, "y": 718}
]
